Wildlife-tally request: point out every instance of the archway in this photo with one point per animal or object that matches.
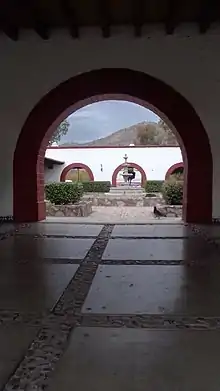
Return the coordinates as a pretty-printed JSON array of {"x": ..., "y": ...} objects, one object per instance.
[
  {"x": 123, "y": 84},
  {"x": 73, "y": 166},
  {"x": 175, "y": 167},
  {"x": 134, "y": 165}
]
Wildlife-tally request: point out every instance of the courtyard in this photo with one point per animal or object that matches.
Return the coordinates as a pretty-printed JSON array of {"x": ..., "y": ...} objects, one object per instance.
[
  {"x": 128, "y": 305},
  {"x": 122, "y": 214},
  {"x": 102, "y": 290}
]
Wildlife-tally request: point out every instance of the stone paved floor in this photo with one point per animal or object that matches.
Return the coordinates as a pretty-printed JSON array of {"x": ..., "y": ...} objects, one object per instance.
[
  {"x": 122, "y": 214},
  {"x": 107, "y": 306}
]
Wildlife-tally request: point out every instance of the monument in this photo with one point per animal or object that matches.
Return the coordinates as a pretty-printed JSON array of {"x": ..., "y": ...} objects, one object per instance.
[{"x": 125, "y": 172}]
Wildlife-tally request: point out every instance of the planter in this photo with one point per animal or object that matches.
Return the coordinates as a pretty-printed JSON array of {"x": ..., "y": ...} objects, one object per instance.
[
  {"x": 171, "y": 210},
  {"x": 80, "y": 209},
  {"x": 111, "y": 199}
]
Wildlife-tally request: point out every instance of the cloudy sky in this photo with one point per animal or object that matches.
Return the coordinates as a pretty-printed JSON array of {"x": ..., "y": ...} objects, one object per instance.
[{"x": 103, "y": 118}]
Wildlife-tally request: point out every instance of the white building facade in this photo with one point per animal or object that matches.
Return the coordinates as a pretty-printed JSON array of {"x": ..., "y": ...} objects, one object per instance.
[
  {"x": 187, "y": 64},
  {"x": 155, "y": 161}
]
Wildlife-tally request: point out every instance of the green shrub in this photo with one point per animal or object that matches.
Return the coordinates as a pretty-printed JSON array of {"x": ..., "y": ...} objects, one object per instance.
[
  {"x": 63, "y": 193},
  {"x": 153, "y": 186},
  {"x": 172, "y": 191},
  {"x": 96, "y": 187}
]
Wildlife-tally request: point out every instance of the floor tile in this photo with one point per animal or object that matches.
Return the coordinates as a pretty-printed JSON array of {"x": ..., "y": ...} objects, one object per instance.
[
  {"x": 62, "y": 229},
  {"x": 33, "y": 287},
  {"x": 24, "y": 247},
  {"x": 212, "y": 231},
  {"x": 14, "y": 341},
  {"x": 155, "y": 290},
  {"x": 152, "y": 230},
  {"x": 126, "y": 359},
  {"x": 96, "y": 358},
  {"x": 7, "y": 227},
  {"x": 157, "y": 249}
]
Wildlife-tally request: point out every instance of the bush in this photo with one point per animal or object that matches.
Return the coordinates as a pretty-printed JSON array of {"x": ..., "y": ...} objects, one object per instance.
[
  {"x": 63, "y": 193},
  {"x": 172, "y": 191},
  {"x": 96, "y": 187},
  {"x": 153, "y": 186}
]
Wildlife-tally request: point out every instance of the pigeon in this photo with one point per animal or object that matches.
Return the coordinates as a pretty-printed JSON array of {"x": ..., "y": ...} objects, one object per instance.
[{"x": 158, "y": 213}]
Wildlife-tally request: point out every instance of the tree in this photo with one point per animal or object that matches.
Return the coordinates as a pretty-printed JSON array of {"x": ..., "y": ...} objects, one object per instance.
[
  {"x": 146, "y": 134},
  {"x": 169, "y": 137},
  {"x": 155, "y": 134},
  {"x": 163, "y": 125},
  {"x": 59, "y": 132}
]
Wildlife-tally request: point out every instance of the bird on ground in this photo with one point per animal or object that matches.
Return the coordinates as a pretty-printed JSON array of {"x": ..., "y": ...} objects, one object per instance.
[{"x": 158, "y": 213}]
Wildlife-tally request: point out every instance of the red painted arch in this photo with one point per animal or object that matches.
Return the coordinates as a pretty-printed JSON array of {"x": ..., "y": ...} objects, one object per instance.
[
  {"x": 134, "y": 165},
  {"x": 91, "y": 87},
  {"x": 173, "y": 168},
  {"x": 76, "y": 165}
]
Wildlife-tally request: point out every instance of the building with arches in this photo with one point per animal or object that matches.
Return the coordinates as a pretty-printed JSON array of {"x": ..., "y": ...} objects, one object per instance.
[
  {"x": 105, "y": 163},
  {"x": 109, "y": 305},
  {"x": 53, "y": 95},
  {"x": 115, "y": 83}
]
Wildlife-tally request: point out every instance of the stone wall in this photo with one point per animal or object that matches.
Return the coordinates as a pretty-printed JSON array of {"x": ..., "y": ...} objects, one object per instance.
[
  {"x": 171, "y": 210},
  {"x": 107, "y": 199},
  {"x": 81, "y": 209}
]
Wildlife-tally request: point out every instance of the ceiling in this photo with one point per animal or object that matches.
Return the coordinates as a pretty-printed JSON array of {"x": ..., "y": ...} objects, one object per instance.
[{"x": 43, "y": 16}]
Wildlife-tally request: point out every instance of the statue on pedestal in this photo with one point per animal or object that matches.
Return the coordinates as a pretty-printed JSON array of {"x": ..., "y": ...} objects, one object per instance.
[{"x": 128, "y": 172}]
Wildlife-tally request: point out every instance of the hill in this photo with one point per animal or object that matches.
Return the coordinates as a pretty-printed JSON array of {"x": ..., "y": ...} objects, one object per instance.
[{"x": 144, "y": 133}]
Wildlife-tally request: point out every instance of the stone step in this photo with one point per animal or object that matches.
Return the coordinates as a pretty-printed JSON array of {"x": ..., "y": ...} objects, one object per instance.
[
  {"x": 123, "y": 190},
  {"x": 126, "y": 187}
]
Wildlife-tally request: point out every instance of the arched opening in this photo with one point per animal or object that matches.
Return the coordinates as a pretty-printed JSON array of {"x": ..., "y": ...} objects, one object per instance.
[
  {"x": 177, "y": 168},
  {"x": 78, "y": 172},
  {"x": 97, "y": 85},
  {"x": 135, "y": 166}
]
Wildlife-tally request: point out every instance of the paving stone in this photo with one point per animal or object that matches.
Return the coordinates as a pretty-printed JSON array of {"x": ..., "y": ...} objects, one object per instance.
[
  {"x": 158, "y": 311},
  {"x": 62, "y": 229},
  {"x": 125, "y": 359},
  {"x": 23, "y": 247},
  {"x": 33, "y": 287},
  {"x": 122, "y": 214},
  {"x": 155, "y": 290},
  {"x": 7, "y": 227},
  {"x": 158, "y": 249},
  {"x": 211, "y": 231},
  {"x": 152, "y": 230},
  {"x": 14, "y": 341}
]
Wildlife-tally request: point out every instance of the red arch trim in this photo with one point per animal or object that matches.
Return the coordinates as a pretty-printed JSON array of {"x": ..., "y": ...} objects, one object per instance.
[
  {"x": 76, "y": 165},
  {"x": 173, "y": 168},
  {"x": 119, "y": 168},
  {"x": 120, "y": 83}
]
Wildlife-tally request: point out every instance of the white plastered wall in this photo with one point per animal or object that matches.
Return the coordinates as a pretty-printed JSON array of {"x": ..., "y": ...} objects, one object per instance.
[
  {"x": 30, "y": 68},
  {"x": 154, "y": 161}
]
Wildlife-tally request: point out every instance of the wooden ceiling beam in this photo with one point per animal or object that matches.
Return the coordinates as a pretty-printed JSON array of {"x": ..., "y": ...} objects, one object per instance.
[
  {"x": 11, "y": 31},
  {"x": 171, "y": 19},
  {"x": 42, "y": 30},
  {"x": 7, "y": 24},
  {"x": 37, "y": 15},
  {"x": 18, "y": 7},
  {"x": 70, "y": 16},
  {"x": 208, "y": 12},
  {"x": 204, "y": 21},
  {"x": 105, "y": 18},
  {"x": 138, "y": 12}
]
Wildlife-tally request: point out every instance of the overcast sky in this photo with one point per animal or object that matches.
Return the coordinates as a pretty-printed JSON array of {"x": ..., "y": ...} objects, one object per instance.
[{"x": 103, "y": 118}]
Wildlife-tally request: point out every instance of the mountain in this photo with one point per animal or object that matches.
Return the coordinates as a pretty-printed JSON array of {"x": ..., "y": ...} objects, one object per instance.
[{"x": 156, "y": 135}]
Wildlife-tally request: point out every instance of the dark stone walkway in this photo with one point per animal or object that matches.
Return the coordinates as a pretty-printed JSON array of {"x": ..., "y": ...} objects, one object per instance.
[{"x": 123, "y": 307}]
